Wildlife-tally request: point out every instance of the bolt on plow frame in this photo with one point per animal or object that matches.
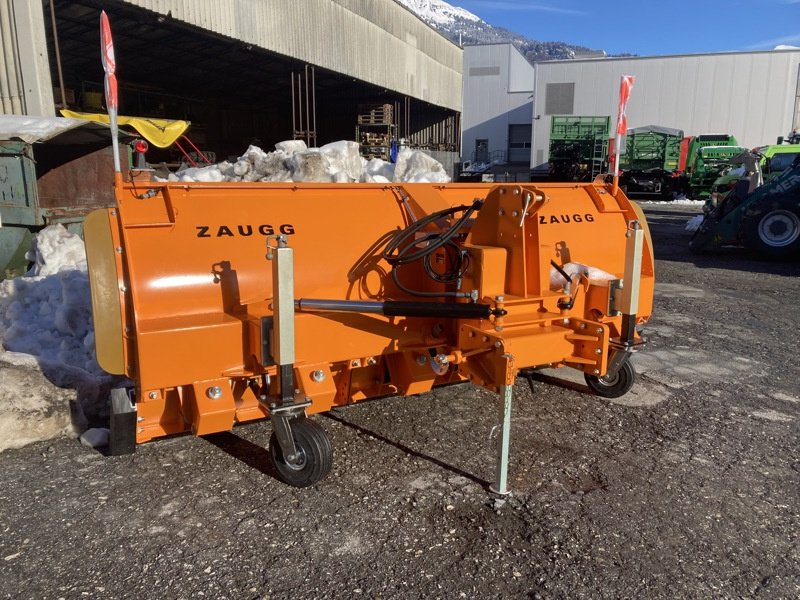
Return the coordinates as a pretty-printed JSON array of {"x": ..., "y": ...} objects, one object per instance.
[{"x": 230, "y": 302}]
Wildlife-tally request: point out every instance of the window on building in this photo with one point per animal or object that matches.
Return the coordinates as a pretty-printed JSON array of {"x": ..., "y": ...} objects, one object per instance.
[{"x": 483, "y": 71}]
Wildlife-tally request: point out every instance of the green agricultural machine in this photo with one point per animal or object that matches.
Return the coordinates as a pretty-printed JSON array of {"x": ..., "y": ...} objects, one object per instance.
[
  {"x": 578, "y": 147},
  {"x": 764, "y": 218},
  {"x": 707, "y": 158},
  {"x": 650, "y": 163}
]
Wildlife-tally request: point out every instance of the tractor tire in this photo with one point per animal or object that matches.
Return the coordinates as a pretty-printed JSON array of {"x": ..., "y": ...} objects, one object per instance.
[
  {"x": 315, "y": 450},
  {"x": 772, "y": 228}
]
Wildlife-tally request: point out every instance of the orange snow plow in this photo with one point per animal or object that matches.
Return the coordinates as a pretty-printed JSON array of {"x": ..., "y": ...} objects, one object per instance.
[{"x": 229, "y": 302}]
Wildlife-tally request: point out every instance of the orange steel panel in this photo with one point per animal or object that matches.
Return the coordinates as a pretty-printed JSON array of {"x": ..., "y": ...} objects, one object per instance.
[
  {"x": 195, "y": 283},
  {"x": 159, "y": 416},
  {"x": 210, "y": 415}
]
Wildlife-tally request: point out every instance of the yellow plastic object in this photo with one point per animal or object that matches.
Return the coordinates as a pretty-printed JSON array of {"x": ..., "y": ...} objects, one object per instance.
[{"x": 159, "y": 132}]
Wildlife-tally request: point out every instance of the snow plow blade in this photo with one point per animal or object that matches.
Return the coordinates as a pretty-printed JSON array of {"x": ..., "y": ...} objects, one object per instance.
[{"x": 229, "y": 302}]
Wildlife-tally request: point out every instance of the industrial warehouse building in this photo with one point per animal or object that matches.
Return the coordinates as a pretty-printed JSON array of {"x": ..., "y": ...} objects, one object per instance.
[
  {"x": 242, "y": 71},
  {"x": 498, "y": 105},
  {"x": 753, "y": 95},
  {"x": 260, "y": 72}
]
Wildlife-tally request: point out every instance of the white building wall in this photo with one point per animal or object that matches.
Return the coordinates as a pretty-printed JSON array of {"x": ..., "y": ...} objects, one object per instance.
[
  {"x": 752, "y": 95},
  {"x": 498, "y": 88}
]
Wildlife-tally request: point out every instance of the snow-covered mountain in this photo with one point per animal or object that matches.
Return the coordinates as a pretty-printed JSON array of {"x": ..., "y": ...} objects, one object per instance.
[
  {"x": 462, "y": 26},
  {"x": 439, "y": 13}
]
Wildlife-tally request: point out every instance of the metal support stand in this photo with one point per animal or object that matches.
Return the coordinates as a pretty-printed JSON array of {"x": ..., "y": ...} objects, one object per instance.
[
  {"x": 282, "y": 412},
  {"x": 624, "y": 299},
  {"x": 501, "y": 483},
  {"x": 633, "y": 278}
]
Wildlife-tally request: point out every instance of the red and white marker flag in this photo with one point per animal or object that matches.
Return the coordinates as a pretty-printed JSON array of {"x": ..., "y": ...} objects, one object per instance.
[
  {"x": 110, "y": 67},
  {"x": 625, "y": 87}
]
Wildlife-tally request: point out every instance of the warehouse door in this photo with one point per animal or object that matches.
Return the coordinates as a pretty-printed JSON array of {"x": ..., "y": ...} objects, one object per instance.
[
  {"x": 481, "y": 154},
  {"x": 519, "y": 144}
]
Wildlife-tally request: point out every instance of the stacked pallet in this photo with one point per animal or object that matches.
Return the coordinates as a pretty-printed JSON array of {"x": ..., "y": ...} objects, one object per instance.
[{"x": 375, "y": 114}]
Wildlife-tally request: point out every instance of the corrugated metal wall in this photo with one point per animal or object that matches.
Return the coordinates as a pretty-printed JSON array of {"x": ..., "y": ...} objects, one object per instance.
[
  {"x": 25, "y": 85},
  {"x": 749, "y": 94},
  {"x": 376, "y": 41},
  {"x": 12, "y": 101}
]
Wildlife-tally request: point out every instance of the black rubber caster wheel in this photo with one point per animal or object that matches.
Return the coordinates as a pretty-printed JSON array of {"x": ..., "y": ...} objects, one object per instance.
[
  {"x": 314, "y": 448},
  {"x": 613, "y": 386}
]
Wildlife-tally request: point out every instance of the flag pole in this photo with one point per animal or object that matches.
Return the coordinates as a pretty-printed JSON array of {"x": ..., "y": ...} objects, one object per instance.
[
  {"x": 617, "y": 144},
  {"x": 625, "y": 86},
  {"x": 110, "y": 67}
]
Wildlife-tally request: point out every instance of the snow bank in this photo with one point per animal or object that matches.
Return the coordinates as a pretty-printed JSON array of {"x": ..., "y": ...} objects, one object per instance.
[
  {"x": 31, "y": 407},
  {"x": 337, "y": 162},
  {"x": 46, "y": 318},
  {"x": 678, "y": 200},
  {"x": 48, "y": 312}
]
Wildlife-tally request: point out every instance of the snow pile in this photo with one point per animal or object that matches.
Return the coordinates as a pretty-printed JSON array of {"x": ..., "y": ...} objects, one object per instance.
[
  {"x": 414, "y": 166},
  {"x": 31, "y": 407},
  {"x": 337, "y": 162},
  {"x": 575, "y": 271},
  {"x": 693, "y": 224},
  {"x": 677, "y": 200},
  {"x": 48, "y": 312},
  {"x": 46, "y": 327}
]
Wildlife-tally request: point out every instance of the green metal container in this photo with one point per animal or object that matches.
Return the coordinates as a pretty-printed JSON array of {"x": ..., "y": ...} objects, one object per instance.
[
  {"x": 652, "y": 147},
  {"x": 57, "y": 181},
  {"x": 578, "y": 147}
]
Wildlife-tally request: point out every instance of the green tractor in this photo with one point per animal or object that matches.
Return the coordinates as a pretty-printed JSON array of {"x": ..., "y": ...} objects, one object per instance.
[
  {"x": 708, "y": 163},
  {"x": 764, "y": 218}
]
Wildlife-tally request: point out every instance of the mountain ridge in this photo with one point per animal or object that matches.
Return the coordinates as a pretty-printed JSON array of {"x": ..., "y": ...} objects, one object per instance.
[{"x": 465, "y": 28}]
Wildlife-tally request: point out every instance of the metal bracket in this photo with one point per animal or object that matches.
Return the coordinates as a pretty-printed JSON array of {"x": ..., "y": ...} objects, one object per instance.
[
  {"x": 614, "y": 297},
  {"x": 280, "y": 417},
  {"x": 621, "y": 349},
  {"x": 267, "y": 325}
]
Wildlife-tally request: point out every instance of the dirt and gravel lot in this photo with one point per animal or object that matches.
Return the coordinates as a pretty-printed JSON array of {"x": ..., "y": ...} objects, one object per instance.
[{"x": 687, "y": 487}]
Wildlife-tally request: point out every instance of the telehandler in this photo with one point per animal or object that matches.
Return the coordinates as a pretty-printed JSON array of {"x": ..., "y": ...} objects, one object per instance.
[
  {"x": 762, "y": 216},
  {"x": 230, "y": 302}
]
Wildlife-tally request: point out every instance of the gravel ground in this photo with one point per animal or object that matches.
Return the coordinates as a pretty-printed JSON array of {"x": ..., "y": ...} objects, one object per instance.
[{"x": 686, "y": 487}]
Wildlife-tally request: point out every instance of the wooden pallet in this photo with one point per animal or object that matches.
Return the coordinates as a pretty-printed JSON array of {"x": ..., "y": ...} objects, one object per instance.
[{"x": 375, "y": 114}]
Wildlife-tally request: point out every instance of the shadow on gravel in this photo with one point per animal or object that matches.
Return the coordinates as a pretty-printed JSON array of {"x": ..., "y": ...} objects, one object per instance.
[
  {"x": 407, "y": 450},
  {"x": 531, "y": 375},
  {"x": 253, "y": 455},
  {"x": 738, "y": 259}
]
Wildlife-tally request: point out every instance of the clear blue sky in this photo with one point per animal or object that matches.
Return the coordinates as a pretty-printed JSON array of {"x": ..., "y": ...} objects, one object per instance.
[{"x": 648, "y": 27}]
